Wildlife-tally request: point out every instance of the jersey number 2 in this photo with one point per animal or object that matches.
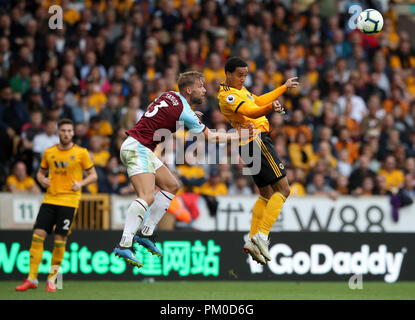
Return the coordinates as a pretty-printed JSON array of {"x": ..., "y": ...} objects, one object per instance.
[{"x": 155, "y": 108}]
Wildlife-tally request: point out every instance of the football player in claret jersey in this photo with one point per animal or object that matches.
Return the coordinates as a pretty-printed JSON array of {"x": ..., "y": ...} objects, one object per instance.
[
  {"x": 241, "y": 108},
  {"x": 145, "y": 170},
  {"x": 61, "y": 173}
]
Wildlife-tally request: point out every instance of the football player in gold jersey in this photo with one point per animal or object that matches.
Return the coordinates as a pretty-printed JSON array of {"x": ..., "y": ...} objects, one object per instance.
[
  {"x": 61, "y": 172},
  {"x": 242, "y": 108}
]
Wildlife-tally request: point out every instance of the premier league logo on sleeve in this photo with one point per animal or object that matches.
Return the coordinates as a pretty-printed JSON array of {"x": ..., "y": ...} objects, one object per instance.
[{"x": 230, "y": 98}]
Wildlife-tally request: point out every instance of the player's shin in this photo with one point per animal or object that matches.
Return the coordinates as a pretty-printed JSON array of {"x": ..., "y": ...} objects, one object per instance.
[
  {"x": 57, "y": 257},
  {"x": 36, "y": 254},
  {"x": 271, "y": 213},
  {"x": 257, "y": 214},
  {"x": 135, "y": 216},
  {"x": 161, "y": 203}
]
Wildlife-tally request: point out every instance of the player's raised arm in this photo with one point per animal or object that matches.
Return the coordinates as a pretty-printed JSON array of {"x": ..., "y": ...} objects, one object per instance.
[
  {"x": 220, "y": 137},
  {"x": 268, "y": 98}
]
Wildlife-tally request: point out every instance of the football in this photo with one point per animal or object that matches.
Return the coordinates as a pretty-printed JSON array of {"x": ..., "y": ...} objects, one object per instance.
[{"x": 370, "y": 21}]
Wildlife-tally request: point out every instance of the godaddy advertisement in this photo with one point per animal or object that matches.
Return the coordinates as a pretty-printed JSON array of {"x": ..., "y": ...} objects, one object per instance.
[{"x": 196, "y": 255}]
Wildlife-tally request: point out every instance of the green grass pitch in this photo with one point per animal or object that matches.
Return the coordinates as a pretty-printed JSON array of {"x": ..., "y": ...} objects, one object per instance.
[{"x": 211, "y": 290}]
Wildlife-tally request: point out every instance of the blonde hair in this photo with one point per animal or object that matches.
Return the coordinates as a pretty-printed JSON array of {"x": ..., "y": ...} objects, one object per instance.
[{"x": 188, "y": 78}]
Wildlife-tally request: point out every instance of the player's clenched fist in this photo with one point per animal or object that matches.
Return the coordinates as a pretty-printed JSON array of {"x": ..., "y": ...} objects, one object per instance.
[
  {"x": 292, "y": 82},
  {"x": 278, "y": 107},
  {"x": 45, "y": 182},
  {"x": 76, "y": 185}
]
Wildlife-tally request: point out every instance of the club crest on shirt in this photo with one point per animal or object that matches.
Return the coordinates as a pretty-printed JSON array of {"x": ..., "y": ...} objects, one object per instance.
[{"x": 230, "y": 98}]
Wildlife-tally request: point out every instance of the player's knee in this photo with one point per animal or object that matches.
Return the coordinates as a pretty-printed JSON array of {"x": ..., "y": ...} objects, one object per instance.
[
  {"x": 60, "y": 237},
  {"x": 174, "y": 187},
  {"x": 286, "y": 192},
  {"x": 40, "y": 232},
  {"x": 282, "y": 187},
  {"x": 148, "y": 198}
]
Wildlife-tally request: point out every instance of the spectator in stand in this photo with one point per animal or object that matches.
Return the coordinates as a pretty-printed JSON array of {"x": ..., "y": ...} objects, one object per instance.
[
  {"x": 44, "y": 140},
  {"x": 345, "y": 142},
  {"x": 240, "y": 187},
  {"x": 318, "y": 187},
  {"x": 13, "y": 115},
  {"x": 409, "y": 186},
  {"x": 214, "y": 70},
  {"x": 97, "y": 126},
  {"x": 21, "y": 81},
  {"x": 359, "y": 174},
  {"x": 297, "y": 186},
  {"x": 301, "y": 152},
  {"x": 81, "y": 137},
  {"x": 296, "y": 125},
  {"x": 20, "y": 181},
  {"x": 389, "y": 142},
  {"x": 31, "y": 129},
  {"x": 99, "y": 155},
  {"x": 344, "y": 166},
  {"x": 112, "y": 111},
  {"x": 410, "y": 166},
  {"x": 404, "y": 57},
  {"x": 341, "y": 185},
  {"x": 367, "y": 189},
  {"x": 191, "y": 176},
  {"x": 373, "y": 120},
  {"x": 396, "y": 99},
  {"x": 394, "y": 177},
  {"x": 324, "y": 154},
  {"x": 69, "y": 74},
  {"x": 325, "y": 134},
  {"x": 83, "y": 112},
  {"x": 113, "y": 184},
  {"x": 211, "y": 189},
  {"x": 59, "y": 109},
  {"x": 352, "y": 102}
]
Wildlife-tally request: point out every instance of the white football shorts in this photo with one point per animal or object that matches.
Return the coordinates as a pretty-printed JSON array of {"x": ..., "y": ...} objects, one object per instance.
[{"x": 138, "y": 158}]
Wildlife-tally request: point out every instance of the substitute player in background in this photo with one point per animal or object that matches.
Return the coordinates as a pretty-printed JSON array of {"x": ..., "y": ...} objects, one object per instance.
[
  {"x": 65, "y": 163},
  {"x": 241, "y": 108},
  {"x": 145, "y": 170}
]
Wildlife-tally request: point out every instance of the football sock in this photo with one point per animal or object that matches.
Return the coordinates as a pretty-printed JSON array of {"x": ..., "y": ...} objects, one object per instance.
[
  {"x": 135, "y": 216},
  {"x": 257, "y": 214},
  {"x": 271, "y": 213},
  {"x": 161, "y": 203},
  {"x": 57, "y": 257},
  {"x": 36, "y": 254}
]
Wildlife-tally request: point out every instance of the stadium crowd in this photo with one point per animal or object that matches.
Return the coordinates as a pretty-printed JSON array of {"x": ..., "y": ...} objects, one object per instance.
[{"x": 349, "y": 127}]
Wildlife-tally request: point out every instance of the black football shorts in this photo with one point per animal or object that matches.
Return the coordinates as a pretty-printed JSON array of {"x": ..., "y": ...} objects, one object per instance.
[
  {"x": 272, "y": 169},
  {"x": 51, "y": 215}
]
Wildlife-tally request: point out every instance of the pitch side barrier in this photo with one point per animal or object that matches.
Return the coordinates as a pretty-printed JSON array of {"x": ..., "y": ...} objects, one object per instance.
[
  {"x": 192, "y": 255},
  {"x": 305, "y": 214}
]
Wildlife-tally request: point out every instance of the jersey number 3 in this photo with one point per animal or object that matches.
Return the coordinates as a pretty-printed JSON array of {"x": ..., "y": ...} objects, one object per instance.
[{"x": 155, "y": 108}]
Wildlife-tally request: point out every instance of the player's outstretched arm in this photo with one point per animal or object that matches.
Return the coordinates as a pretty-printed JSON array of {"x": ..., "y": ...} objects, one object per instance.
[
  {"x": 221, "y": 137},
  {"x": 269, "y": 97}
]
